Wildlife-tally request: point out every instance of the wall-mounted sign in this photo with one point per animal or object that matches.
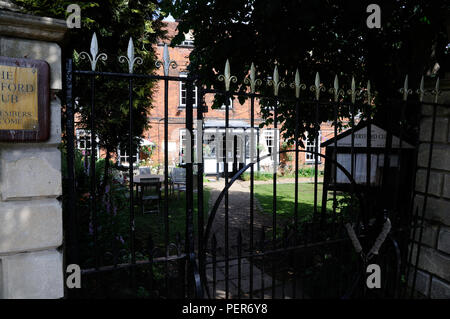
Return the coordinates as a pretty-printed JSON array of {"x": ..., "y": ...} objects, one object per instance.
[{"x": 24, "y": 100}]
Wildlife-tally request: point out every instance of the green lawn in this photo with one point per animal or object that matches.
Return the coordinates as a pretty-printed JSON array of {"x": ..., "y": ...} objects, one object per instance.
[
  {"x": 285, "y": 199},
  {"x": 154, "y": 224}
]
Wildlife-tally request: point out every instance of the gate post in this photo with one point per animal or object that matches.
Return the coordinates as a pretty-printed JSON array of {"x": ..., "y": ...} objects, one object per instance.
[
  {"x": 31, "y": 265},
  {"x": 430, "y": 254}
]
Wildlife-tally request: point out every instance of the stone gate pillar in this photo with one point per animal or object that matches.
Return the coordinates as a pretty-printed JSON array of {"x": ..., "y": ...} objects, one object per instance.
[
  {"x": 31, "y": 231},
  {"x": 433, "y": 276}
]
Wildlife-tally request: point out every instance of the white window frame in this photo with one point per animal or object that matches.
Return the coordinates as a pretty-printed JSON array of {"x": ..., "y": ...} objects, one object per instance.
[
  {"x": 127, "y": 164},
  {"x": 79, "y": 133},
  {"x": 269, "y": 134},
  {"x": 182, "y": 83},
  {"x": 187, "y": 43},
  {"x": 210, "y": 142},
  {"x": 311, "y": 158},
  {"x": 182, "y": 137}
]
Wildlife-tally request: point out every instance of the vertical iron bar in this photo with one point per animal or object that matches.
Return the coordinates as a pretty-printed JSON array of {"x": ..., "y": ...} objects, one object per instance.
[
  {"x": 263, "y": 235},
  {"x": 166, "y": 177},
  {"x": 334, "y": 172},
  {"x": 274, "y": 198},
  {"x": 396, "y": 207},
  {"x": 225, "y": 168},
  {"x": 387, "y": 158},
  {"x": 150, "y": 259},
  {"x": 316, "y": 158},
  {"x": 412, "y": 239},
  {"x": 257, "y": 151},
  {"x": 352, "y": 156},
  {"x": 93, "y": 195},
  {"x": 214, "y": 260},
  {"x": 200, "y": 170},
  {"x": 297, "y": 133},
  {"x": 252, "y": 176},
  {"x": 189, "y": 179},
  {"x": 239, "y": 255},
  {"x": 72, "y": 252},
  {"x": 131, "y": 163},
  {"x": 71, "y": 220},
  {"x": 303, "y": 259},
  {"x": 368, "y": 158},
  {"x": 297, "y": 129},
  {"x": 285, "y": 268},
  {"x": 181, "y": 267}
]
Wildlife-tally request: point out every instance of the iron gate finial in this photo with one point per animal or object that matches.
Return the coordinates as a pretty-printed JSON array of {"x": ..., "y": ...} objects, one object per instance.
[
  {"x": 276, "y": 81},
  {"x": 297, "y": 85},
  {"x": 227, "y": 77},
  {"x": 93, "y": 58},
  {"x": 253, "y": 81},
  {"x": 166, "y": 62},
  {"x": 130, "y": 57}
]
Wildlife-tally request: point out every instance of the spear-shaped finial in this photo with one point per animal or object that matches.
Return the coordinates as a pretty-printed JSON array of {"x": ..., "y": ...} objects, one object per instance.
[
  {"x": 275, "y": 82},
  {"x": 405, "y": 90},
  {"x": 130, "y": 57},
  {"x": 353, "y": 89},
  {"x": 253, "y": 81},
  {"x": 316, "y": 87},
  {"x": 166, "y": 62},
  {"x": 421, "y": 89},
  {"x": 336, "y": 88},
  {"x": 93, "y": 58},
  {"x": 297, "y": 85},
  {"x": 227, "y": 77}
]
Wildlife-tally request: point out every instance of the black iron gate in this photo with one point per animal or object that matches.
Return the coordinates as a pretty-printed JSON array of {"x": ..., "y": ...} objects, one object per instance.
[
  {"x": 111, "y": 265},
  {"x": 302, "y": 256}
]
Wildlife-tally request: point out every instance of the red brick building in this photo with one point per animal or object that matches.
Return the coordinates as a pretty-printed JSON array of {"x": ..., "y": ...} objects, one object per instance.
[
  {"x": 213, "y": 119},
  {"x": 213, "y": 125}
]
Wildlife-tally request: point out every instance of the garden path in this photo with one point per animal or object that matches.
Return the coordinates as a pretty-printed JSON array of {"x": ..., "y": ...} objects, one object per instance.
[{"x": 239, "y": 217}]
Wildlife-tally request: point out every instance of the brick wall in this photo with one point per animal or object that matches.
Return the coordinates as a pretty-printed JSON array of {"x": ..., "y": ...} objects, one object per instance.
[{"x": 177, "y": 115}]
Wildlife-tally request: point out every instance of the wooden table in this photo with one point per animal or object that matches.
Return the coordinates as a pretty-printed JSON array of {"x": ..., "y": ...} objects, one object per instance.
[{"x": 137, "y": 178}]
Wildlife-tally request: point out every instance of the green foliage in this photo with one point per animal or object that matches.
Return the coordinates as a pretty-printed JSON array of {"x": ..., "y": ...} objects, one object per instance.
[
  {"x": 258, "y": 176},
  {"x": 349, "y": 207},
  {"x": 114, "y": 22},
  {"x": 267, "y": 176},
  {"x": 286, "y": 198},
  {"x": 112, "y": 210},
  {"x": 54, "y": 8},
  {"x": 152, "y": 224}
]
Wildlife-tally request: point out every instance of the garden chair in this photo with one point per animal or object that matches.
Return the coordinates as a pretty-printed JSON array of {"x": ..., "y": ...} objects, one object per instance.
[
  {"x": 144, "y": 171},
  {"x": 178, "y": 179},
  {"x": 151, "y": 194}
]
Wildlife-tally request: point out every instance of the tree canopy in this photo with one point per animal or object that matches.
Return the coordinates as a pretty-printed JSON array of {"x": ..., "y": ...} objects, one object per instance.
[
  {"x": 326, "y": 36},
  {"x": 114, "y": 22}
]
